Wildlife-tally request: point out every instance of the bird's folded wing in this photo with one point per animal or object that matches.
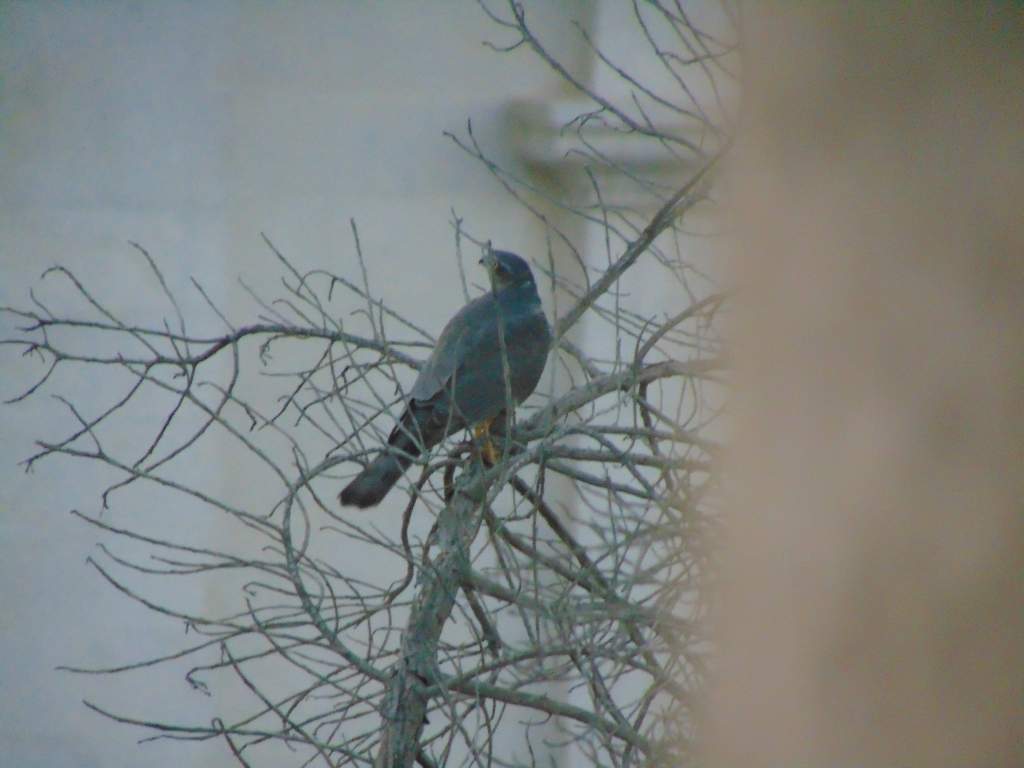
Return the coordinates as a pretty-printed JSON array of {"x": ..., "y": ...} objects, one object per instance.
[{"x": 456, "y": 343}]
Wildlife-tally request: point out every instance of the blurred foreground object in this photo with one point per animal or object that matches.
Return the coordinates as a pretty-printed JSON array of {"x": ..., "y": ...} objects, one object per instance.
[{"x": 872, "y": 609}]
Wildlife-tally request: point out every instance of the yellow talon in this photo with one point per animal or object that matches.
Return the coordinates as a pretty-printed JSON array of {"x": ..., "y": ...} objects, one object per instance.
[{"x": 482, "y": 432}]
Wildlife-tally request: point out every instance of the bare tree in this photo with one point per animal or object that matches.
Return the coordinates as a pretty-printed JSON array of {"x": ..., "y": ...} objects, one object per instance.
[{"x": 585, "y": 618}]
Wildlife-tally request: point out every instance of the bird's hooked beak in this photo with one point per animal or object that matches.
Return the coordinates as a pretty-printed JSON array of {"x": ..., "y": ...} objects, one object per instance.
[
  {"x": 488, "y": 260},
  {"x": 490, "y": 263}
]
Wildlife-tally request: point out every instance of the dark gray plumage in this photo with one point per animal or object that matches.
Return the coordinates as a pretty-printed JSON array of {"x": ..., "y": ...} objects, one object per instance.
[{"x": 462, "y": 384}]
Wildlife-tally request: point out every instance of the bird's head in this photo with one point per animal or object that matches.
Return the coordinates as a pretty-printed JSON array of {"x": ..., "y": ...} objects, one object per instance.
[{"x": 506, "y": 269}]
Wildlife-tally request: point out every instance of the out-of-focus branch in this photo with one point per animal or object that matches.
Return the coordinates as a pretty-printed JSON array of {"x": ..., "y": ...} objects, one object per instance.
[{"x": 674, "y": 207}]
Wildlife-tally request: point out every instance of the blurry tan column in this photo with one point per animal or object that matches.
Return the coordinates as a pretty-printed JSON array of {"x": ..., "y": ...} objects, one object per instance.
[{"x": 873, "y": 613}]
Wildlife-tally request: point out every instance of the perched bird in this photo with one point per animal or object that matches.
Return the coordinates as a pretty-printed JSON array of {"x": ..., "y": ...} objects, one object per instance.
[{"x": 463, "y": 383}]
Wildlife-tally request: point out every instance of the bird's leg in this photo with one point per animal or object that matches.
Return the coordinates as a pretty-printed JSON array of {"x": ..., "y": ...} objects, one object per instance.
[{"x": 482, "y": 433}]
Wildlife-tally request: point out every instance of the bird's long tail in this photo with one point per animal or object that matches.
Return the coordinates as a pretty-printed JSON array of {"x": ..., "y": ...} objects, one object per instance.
[{"x": 372, "y": 484}]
